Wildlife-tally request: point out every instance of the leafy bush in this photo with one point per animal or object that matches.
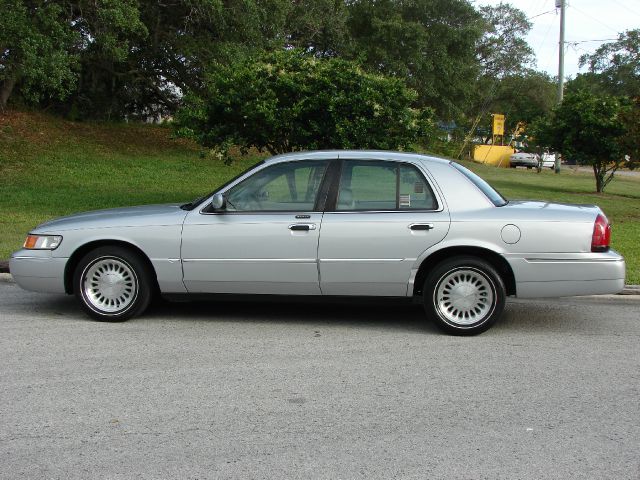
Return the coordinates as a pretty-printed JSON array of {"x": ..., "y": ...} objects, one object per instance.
[{"x": 287, "y": 101}]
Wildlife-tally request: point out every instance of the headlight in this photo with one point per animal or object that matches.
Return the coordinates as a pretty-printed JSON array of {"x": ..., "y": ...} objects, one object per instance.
[{"x": 42, "y": 242}]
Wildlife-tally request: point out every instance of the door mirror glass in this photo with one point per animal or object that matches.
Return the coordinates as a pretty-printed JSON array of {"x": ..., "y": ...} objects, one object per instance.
[{"x": 218, "y": 202}]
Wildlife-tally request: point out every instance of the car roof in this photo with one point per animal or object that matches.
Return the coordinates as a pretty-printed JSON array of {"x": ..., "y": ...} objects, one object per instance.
[{"x": 355, "y": 154}]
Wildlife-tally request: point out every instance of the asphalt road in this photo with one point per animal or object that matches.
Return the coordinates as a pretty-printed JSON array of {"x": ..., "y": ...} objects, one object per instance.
[{"x": 314, "y": 391}]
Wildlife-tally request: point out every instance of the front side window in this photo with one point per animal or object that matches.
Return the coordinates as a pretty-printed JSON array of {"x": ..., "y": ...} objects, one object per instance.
[
  {"x": 291, "y": 186},
  {"x": 380, "y": 185}
]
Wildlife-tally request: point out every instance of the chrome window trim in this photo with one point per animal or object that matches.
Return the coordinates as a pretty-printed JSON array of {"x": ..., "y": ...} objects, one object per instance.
[
  {"x": 267, "y": 212},
  {"x": 250, "y": 260},
  {"x": 365, "y": 260},
  {"x": 384, "y": 211}
]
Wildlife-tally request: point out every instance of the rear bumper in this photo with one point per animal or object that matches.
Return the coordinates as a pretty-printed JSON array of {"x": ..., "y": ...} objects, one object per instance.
[
  {"x": 523, "y": 163},
  {"x": 38, "y": 271},
  {"x": 564, "y": 275}
]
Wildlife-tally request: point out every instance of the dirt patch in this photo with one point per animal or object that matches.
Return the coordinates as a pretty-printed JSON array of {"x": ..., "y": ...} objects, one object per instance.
[{"x": 44, "y": 131}]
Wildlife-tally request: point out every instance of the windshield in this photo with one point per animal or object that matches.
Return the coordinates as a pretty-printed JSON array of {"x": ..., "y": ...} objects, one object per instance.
[
  {"x": 491, "y": 193},
  {"x": 193, "y": 204}
]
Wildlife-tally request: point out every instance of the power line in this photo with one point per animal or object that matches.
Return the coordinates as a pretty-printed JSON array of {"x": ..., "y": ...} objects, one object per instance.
[
  {"x": 626, "y": 8},
  {"x": 577, "y": 42},
  {"x": 540, "y": 14},
  {"x": 594, "y": 18}
]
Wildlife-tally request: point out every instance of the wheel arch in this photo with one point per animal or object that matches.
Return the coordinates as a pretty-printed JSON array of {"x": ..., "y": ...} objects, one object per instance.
[
  {"x": 81, "y": 251},
  {"x": 495, "y": 259}
]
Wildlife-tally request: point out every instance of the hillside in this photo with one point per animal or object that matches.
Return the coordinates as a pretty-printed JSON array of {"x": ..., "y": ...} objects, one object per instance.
[{"x": 51, "y": 167}]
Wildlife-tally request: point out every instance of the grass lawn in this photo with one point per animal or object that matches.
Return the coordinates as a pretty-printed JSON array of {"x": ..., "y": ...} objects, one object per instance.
[{"x": 51, "y": 167}]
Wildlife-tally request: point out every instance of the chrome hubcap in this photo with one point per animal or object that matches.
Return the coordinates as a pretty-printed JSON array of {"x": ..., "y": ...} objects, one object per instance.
[
  {"x": 110, "y": 285},
  {"x": 464, "y": 297}
]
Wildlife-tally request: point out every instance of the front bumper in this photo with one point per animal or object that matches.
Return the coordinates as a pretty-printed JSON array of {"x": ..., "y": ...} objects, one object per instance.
[
  {"x": 38, "y": 270},
  {"x": 565, "y": 275}
]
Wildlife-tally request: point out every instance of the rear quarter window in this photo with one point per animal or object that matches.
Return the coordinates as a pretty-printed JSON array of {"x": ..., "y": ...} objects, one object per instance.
[{"x": 491, "y": 193}]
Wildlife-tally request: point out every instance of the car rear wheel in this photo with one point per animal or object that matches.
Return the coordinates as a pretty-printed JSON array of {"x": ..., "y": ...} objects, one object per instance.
[
  {"x": 464, "y": 295},
  {"x": 113, "y": 284}
]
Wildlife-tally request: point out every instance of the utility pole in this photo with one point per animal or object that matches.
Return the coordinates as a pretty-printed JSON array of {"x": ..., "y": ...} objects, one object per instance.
[{"x": 561, "y": 5}]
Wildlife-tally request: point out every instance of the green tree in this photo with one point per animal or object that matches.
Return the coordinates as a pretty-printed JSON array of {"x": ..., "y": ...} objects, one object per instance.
[
  {"x": 503, "y": 50},
  {"x": 588, "y": 128},
  {"x": 630, "y": 141},
  {"x": 287, "y": 101},
  {"x": 523, "y": 98},
  {"x": 318, "y": 27},
  {"x": 167, "y": 52},
  {"x": 505, "y": 83},
  {"x": 36, "y": 50},
  {"x": 614, "y": 67},
  {"x": 431, "y": 44},
  {"x": 45, "y": 45},
  {"x": 110, "y": 30}
]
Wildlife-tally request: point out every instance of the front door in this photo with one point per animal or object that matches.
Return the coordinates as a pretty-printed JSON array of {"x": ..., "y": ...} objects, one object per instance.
[
  {"x": 265, "y": 240},
  {"x": 385, "y": 214}
]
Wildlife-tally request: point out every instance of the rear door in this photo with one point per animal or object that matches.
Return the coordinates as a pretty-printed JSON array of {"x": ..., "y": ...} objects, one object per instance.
[{"x": 381, "y": 216}]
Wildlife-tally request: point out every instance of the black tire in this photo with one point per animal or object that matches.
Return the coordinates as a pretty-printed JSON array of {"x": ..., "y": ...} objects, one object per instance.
[
  {"x": 126, "y": 281},
  {"x": 475, "y": 276}
]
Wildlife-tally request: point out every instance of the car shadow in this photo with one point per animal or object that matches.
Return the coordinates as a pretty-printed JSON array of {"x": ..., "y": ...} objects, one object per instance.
[
  {"x": 520, "y": 316},
  {"x": 378, "y": 315}
]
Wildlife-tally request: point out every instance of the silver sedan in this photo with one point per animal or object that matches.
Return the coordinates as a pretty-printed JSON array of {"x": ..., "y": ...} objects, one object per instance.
[{"x": 332, "y": 223}]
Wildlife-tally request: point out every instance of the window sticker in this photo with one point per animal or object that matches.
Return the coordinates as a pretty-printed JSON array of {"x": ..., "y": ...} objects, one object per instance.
[{"x": 405, "y": 201}]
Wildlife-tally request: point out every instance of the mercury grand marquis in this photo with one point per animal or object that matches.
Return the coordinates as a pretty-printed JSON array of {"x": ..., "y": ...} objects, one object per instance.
[{"x": 331, "y": 223}]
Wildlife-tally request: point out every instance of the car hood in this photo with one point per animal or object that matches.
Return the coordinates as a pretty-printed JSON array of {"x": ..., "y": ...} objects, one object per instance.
[{"x": 140, "y": 216}]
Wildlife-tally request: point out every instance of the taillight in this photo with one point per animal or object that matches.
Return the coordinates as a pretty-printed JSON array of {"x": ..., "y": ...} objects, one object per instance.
[{"x": 601, "y": 234}]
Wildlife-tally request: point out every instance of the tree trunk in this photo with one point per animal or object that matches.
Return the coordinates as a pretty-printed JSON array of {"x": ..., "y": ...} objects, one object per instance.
[
  {"x": 598, "y": 174},
  {"x": 5, "y": 92}
]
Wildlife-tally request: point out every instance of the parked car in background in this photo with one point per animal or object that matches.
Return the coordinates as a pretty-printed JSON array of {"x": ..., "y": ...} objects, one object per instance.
[
  {"x": 331, "y": 224},
  {"x": 523, "y": 159},
  {"x": 548, "y": 160},
  {"x": 532, "y": 160}
]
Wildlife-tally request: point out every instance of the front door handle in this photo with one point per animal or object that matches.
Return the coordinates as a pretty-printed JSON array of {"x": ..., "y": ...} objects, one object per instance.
[
  {"x": 421, "y": 226},
  {"x": 297, "y": 227}
]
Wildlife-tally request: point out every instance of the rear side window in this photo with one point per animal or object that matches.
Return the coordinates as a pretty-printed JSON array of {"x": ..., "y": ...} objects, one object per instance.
[
  {"x": 370, "y": 185},
  {"x": 490, "y": 192}
]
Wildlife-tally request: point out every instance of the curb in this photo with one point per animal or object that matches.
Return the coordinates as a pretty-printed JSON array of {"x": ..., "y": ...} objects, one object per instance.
[
  {"x": 628, "y": 289},
  {"x": 6, "y": 278}
]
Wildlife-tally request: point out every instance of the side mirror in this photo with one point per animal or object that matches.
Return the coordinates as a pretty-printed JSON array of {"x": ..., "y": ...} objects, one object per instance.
[{"x": 218, "y": 202}]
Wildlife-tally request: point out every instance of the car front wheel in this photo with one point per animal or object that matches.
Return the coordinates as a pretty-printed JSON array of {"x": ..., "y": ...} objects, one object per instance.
[
  {"x": 464, "y": 295},
  {"x": 112, "y": 284}
]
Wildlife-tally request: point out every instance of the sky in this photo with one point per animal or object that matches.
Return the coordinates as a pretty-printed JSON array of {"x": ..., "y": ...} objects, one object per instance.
[{"x": 585, "y": 20}]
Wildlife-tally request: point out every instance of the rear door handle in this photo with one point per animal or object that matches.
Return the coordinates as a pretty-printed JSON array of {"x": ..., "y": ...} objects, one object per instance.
[
  {"x": 297, "y": 227},
  {"x": 421, "y": 226}
]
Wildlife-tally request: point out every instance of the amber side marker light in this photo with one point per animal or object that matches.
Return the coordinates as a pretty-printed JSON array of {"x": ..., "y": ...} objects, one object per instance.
[{"x": 42, "y": 242}]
